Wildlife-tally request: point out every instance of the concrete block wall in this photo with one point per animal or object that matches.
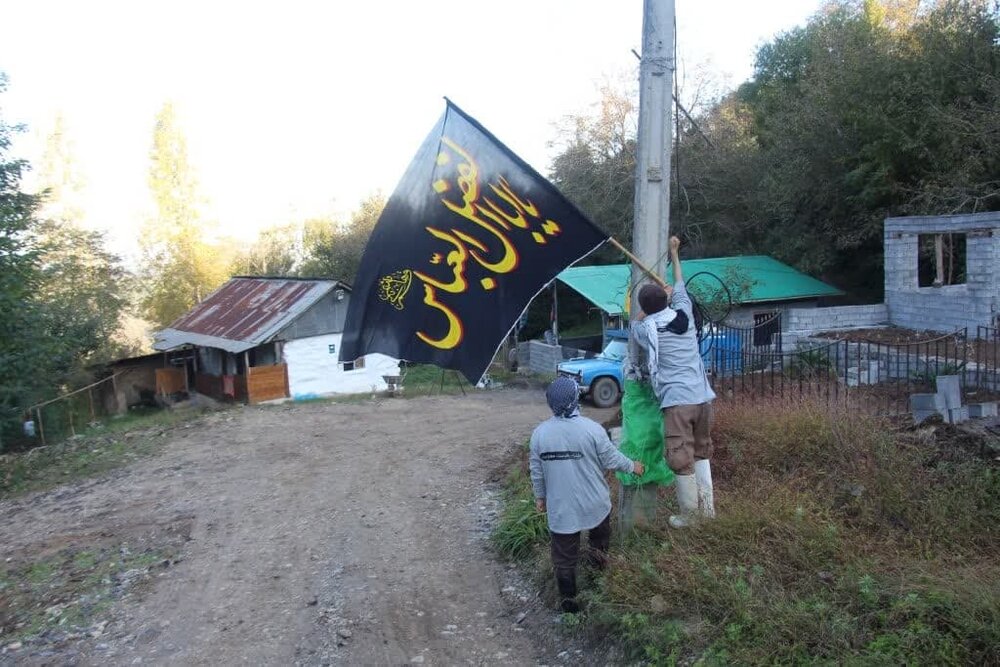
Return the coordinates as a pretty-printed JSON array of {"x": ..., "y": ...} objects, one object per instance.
[
  {"x": 949, "y": 307},
  {"x": 543, "y": 358},
  {"x": 802, "y": 320},
  {"x": 540, "y": 357}
]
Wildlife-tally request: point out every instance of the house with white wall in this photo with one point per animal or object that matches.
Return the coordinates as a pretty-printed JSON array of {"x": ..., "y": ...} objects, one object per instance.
[{"x": 256, "y": 339}]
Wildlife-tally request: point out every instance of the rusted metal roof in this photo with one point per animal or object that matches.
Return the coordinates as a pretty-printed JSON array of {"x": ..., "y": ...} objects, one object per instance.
[{"x": 244, "y": 313}]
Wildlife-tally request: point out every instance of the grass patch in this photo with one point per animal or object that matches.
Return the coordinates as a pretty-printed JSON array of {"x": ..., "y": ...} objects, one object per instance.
[
  {"x": 838, "y": 541},
  {"x": 522, "y": 528},
  {"x": 65, "y": 594},
  {"x": 426, "y": 379},
  {"x": 98, "y": 450}
]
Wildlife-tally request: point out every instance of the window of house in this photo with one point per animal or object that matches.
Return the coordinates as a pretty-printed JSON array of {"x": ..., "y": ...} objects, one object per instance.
[
  {"x": 940, "y": 260},
  {"x": 355, "y": 365}
]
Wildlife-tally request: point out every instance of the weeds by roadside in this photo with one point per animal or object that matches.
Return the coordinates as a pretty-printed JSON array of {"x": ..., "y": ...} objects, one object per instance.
[
  {"x": 838, "y": 541},
  {"x": 98, "y": 450},
  {"x": 522, "y": 528}
]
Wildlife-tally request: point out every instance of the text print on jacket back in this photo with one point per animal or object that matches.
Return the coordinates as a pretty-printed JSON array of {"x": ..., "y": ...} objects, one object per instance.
[{"x": 561, "y": 456}]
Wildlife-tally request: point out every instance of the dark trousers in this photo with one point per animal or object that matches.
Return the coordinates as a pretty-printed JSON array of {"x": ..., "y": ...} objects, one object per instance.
[{"x": 565, "y": 549}]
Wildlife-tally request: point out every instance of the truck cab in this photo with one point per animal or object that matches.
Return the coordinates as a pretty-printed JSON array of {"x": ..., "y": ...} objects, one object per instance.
[{"x": 601, "y": 377}]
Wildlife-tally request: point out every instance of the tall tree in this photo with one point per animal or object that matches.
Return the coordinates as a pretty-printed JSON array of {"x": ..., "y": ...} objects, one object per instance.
[
  {"x": 83, "y": 285},
  {"x": 334, "y": 250},
  {"x": 22, "y": 341},
  {"x": 596, "y": 167},
  {"x": 180, "y": 266},
  {"x": 277, "y": 251}
]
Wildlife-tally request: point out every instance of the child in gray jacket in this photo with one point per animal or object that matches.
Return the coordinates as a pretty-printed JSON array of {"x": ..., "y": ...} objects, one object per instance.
[{"x": 569, "y": 454}]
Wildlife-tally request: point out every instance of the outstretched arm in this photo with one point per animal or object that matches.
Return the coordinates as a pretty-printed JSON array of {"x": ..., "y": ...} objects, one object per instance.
[
  {"x": 680, "y": 300},
  {"x": 675, "y": 246},
  {"x": 612, "y": 459}
]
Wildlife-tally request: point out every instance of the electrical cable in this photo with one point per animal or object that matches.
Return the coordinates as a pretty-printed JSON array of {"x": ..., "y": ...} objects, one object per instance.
[{"x": 702, "y": 315}]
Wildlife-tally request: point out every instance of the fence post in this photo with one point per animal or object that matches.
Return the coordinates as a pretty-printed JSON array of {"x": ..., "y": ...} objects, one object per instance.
[
  {"x": 979, "y": 362},
  {"x": 41, "y": 429}
]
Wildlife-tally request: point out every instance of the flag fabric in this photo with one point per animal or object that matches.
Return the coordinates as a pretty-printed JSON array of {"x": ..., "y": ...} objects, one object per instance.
[{"x": 470, "y": 235}]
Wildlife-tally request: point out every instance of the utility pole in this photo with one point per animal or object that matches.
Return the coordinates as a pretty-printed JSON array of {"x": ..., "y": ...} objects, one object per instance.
[{"x": 651, "y": 227}]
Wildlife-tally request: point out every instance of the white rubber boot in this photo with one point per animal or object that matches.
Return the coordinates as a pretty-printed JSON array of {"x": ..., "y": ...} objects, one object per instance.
[
  {"x": 687, "y": 498},
  {"x": 706, "y": 498}
]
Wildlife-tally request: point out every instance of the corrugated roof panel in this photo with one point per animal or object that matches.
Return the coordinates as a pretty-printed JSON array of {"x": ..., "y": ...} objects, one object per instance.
[
  {"x": 250, "y": 310},
  {"x": 771, "y": 280}
]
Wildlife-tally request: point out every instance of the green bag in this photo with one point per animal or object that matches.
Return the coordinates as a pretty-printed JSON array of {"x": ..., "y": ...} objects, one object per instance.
[{"x": 642, "y": 435}]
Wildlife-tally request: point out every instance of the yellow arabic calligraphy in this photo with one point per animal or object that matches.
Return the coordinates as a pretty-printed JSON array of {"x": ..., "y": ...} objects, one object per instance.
[
  {"x": 455, "y": 259},
  {"x": 455, "y": 333},
  {"x": 468, "y": 183},
  {"x": 497, "y": 216}
]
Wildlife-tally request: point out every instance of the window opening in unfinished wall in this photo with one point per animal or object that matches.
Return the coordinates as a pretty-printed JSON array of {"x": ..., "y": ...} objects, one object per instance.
[{"x": 941, "y": 260}]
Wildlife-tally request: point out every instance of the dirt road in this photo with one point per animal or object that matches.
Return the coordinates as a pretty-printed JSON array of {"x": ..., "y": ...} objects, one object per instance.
[{"x": 325, "y": 533}]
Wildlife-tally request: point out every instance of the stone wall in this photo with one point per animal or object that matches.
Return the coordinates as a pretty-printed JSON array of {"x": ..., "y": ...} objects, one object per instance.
[
  {"x": 802, "y": 320},
  {"x": 949, "y": 307},
  {"x": 742, "y": 316},
  {"x": 805, "y": 317}
]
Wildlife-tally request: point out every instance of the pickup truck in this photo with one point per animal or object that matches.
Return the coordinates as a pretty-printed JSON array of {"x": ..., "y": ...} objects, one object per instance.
[{"x": 600, "y": 378}]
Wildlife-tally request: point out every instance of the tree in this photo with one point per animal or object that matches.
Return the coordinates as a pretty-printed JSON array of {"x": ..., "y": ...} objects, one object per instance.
[
  {"x": 596, "y": 167},
  {"x": 277, "y": 251},
  {"x": 871, "y": 111},
  {"x": 180, "y": 267},
  {"x": 60, "y": 177},
  {"x": 22, "y": 348},
  {"x": 82, "y": 284},
  {"x": 334, "y": 250},
  {"x": 61, "y": 291},
  {"x": 873, "y": 108},
  {"x": 83, "y": 288}
]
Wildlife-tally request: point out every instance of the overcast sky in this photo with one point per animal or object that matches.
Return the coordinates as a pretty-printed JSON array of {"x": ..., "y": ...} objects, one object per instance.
[{"x": 300, "y": 108}]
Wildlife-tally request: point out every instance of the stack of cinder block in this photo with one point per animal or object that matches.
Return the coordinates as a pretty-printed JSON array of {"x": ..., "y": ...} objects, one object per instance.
[{"x": 947, "y": 403}]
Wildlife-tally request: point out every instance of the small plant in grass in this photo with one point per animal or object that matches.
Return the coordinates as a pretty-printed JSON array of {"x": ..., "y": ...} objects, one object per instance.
[
  {"x": 522, "y": 528},
  {"x": 929, "y": 376},
  {"x": 811, "y": 364},
  {"x": 569, "y": 623}
]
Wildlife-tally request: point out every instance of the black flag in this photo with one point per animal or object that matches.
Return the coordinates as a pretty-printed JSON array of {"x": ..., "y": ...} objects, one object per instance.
[{"x": 469, "y": 237}]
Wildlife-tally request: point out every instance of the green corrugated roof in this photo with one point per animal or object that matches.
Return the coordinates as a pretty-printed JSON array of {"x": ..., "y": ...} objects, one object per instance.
[{"x": 605, "y": 286}]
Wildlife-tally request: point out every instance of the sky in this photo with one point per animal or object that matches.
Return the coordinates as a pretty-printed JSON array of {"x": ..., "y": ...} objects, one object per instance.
[{"x": 295, "y": 109}]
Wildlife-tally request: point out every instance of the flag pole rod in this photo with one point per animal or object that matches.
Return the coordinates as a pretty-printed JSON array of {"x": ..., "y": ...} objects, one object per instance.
[{"x": 635, "y": 260}]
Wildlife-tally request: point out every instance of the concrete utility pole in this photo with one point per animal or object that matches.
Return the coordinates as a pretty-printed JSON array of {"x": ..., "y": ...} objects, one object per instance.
[{"x": 651, "y": 227}]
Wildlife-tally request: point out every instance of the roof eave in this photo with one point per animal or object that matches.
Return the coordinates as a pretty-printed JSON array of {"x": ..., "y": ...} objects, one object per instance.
[{"x": 171, "y": 339}]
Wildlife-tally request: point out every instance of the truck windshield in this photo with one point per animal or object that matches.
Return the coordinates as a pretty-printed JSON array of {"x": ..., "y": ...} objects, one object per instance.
[{"x": 616, "y": 349}]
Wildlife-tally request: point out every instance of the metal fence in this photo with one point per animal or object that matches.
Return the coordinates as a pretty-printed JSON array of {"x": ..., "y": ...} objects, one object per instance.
[
  {"x": 59, "y": 418},
  {"x": 865, "y": 376}
]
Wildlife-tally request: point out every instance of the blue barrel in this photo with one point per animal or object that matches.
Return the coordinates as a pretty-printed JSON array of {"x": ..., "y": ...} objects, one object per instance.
[{"x": 722, "y": 353}]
